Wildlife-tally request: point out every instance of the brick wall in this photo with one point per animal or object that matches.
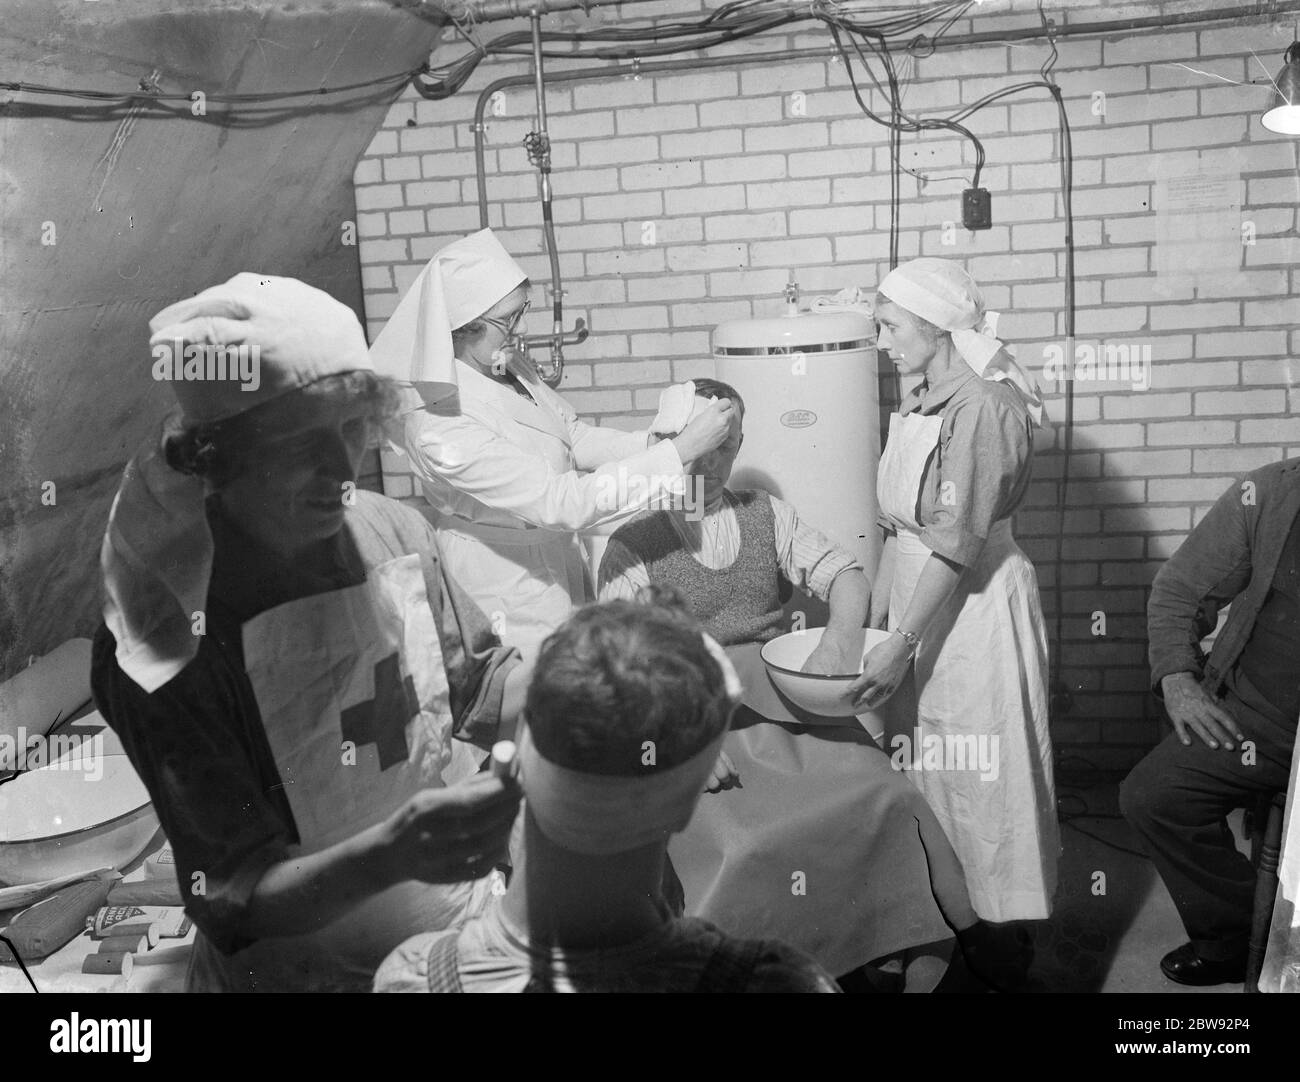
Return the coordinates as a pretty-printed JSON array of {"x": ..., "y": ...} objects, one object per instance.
[{"x": 749, "y": 172}]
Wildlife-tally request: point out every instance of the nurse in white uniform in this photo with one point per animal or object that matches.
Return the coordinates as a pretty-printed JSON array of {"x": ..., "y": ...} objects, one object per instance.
[
  {"x": 509, "y": 471},
  {"x": 960, "y": 595}
]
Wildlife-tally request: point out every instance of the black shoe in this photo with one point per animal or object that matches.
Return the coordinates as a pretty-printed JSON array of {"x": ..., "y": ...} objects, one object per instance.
[
  {"x": 998, "y": 954},
  {"x": 1185, "y": 966}
]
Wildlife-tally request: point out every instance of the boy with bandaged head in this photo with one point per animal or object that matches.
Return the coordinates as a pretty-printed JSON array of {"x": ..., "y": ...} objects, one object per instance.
[{"x": 625, "y": 719}]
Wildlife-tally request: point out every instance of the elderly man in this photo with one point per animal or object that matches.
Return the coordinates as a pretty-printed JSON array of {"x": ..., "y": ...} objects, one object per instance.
[
  {"x": 1234, "y": 714},
  {"x": 285, "y": 660}
]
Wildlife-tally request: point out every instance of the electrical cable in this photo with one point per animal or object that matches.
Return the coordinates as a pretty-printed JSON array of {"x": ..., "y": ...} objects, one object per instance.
[
  {"x": 109, "y": 97},
  {"x": 1068, "y": 819},
  {"x": 730, "y": 22},
  {"x": 1060, "y": 696},
  {"x": 1102, "y": 841}
]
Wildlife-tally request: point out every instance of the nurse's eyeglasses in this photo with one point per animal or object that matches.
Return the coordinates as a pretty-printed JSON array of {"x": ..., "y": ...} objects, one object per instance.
[{"x": 508, "y": 326}]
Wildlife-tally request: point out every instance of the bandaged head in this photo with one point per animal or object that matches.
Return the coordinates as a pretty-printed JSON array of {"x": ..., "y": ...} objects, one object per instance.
[
  {"x": 225, "y": 351},
  {"x": 602, "y": 813},
  {"x": 460, "y": 283},
  {"x": 942, "y": 293}
]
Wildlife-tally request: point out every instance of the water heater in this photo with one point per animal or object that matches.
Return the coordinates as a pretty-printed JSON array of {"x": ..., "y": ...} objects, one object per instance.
[{"x": 812, "y": 423}]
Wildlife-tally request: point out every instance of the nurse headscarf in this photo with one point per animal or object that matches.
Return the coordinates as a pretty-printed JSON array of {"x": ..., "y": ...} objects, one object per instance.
[
  {"x": 941, "y": 292},
  {"x": 460, "y": 283}
]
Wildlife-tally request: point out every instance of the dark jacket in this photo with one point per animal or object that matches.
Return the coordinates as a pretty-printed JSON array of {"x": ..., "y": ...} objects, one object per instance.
[{"x": 1230, "y": 557}]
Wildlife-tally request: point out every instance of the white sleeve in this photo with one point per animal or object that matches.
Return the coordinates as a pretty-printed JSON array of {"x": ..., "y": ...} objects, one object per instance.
[
  {"x": 465, "y": 454},
  {"x": 593, "y": 446}
]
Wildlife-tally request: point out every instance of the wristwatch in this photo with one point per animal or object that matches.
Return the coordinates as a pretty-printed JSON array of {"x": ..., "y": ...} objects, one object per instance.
[{"x": 913, "y": 640}]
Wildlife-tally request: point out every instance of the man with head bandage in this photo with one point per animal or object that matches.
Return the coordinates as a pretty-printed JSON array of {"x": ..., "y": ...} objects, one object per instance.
[
  {"x": 510, "y": 472},
  {"x": 286, "y": 660},
  {"x": 625, "y": 719},
  {"x": 956, "y": 590}
]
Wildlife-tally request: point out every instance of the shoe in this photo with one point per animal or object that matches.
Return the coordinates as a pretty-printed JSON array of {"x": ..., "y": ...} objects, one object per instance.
[
  {"x": 1185, "y": 966},
  {"x": 999, "y": 955}
]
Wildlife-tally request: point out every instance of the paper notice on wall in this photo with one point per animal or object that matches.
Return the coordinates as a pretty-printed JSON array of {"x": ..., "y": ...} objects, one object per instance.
[{"x": 1198, "y": 225}]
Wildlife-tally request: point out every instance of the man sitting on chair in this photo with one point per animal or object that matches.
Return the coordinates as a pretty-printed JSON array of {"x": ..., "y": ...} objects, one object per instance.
[{"x": 1234, "y": 713}]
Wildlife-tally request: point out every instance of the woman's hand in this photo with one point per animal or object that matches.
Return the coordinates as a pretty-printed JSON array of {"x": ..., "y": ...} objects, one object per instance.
[
  {"x": 452, "y": 834},
  {"x": 724, "y": 775},
  {"x": 882, "y": 672},
  {"x": 834, "y": 656},
  {"x": 706, "y": 432},
  {"x": 1190, "y": 706}
]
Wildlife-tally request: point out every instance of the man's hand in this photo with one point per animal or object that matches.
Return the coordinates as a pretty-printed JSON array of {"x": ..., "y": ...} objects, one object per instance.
[
  {"x": 1190, "y": 706},
  {"x": 834, "y": 656},
  {"x": 453, "y": 834},
  {"x": 882, "y": 673},
  {"x": 724, "y": 775}
]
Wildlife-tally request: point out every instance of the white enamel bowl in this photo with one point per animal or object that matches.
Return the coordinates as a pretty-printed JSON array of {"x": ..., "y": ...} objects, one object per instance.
[
  {"x": 818, "y": 694},
  {"x": 74, "y": 815}
]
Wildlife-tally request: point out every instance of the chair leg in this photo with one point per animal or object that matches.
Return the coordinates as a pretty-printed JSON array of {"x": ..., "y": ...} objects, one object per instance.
[{"x": 1265, "y": 895}]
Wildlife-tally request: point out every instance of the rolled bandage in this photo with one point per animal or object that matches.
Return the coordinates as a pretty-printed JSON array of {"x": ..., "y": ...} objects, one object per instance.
[
  {"x": 117, "y": 963},
  {"x": 147, "y": 929},
  {"x": 675, "y": 406},
  {"x": 127, "y": 944},
  {"x": 603, "y": 814},
  {"x": 504, "y": 754}
]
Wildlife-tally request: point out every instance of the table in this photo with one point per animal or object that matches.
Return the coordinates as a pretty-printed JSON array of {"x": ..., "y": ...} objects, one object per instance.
[{"x": 824, "y": 846}]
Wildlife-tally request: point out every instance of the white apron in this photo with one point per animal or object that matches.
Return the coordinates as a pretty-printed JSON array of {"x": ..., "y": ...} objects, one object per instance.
[
  {"x": 981, "y": 689},
  {"x": 526, "y": 581},
  {"x": 354, "y": 700}
]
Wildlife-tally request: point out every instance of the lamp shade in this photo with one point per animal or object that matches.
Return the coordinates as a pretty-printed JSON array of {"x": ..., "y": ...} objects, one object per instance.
[{"x": 1284, "y": 117}]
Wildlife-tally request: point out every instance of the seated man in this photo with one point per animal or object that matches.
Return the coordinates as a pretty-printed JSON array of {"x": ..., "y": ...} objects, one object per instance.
[
  {"x": 626, "y": 714},
  {"x": 1245, "y": 551},
  {"x": 812, "y": 838}
]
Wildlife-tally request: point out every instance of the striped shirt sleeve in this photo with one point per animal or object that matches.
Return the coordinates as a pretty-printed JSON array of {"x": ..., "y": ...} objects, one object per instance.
[{"x": 806, "y": 556}]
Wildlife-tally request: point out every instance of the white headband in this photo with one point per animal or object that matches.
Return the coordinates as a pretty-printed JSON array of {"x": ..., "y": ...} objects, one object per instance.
[{"x": 602, "y": 814}]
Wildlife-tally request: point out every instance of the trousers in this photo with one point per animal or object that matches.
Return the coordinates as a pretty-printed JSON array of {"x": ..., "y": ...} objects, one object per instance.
[{"x": 1178, "y": 799}]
